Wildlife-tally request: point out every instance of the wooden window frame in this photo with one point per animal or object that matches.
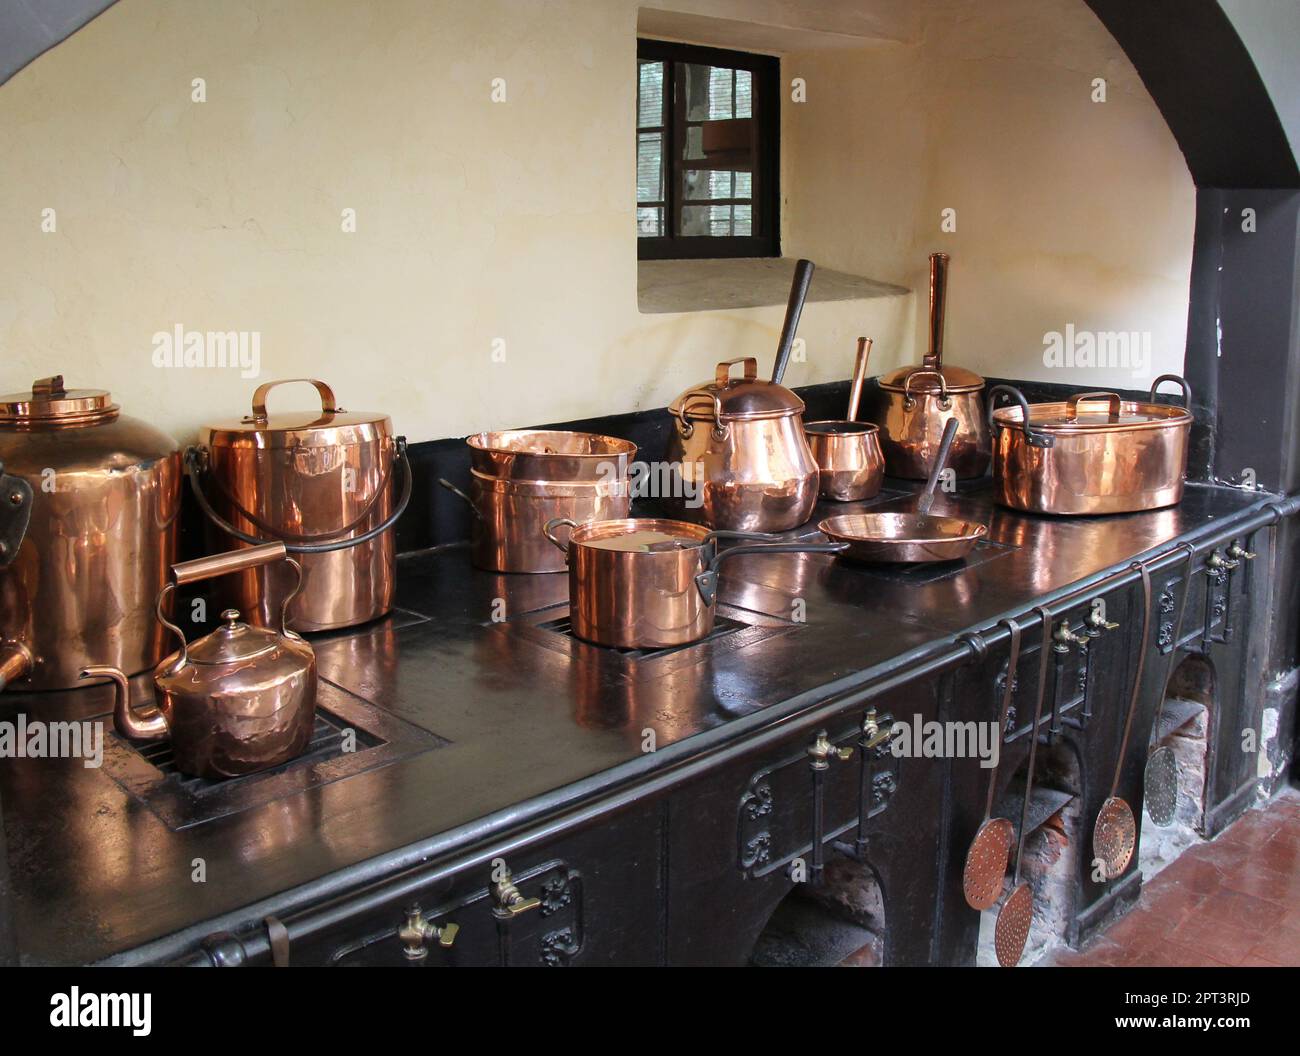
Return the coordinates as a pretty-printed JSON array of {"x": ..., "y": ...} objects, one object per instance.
[{"x": 766, "y": 196}]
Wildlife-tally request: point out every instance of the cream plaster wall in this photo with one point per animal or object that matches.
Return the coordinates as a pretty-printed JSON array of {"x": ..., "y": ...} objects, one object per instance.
[{"x": 480, "y": 222}]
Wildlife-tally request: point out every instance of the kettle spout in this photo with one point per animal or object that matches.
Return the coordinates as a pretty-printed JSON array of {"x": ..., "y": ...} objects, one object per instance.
[
  {"x": 15, "y": 663},
  {"x": 148, "y": 727}
]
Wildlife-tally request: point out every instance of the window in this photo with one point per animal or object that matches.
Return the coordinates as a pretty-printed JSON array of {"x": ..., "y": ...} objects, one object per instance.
[{"x": 706, "y": 152}]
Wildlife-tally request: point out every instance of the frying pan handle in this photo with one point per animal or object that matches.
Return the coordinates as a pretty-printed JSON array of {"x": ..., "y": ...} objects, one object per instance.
[
  {"x": 803, "y": 273},
  {"x": 940, "y": 460},
  {"x": 1113, "y": 402},
  {"x": 1033, "y": 437},
  {"x": 707, "y": 580},
  {"x": 548, "y": 530},
  {"x": 1182, "y": 384}
]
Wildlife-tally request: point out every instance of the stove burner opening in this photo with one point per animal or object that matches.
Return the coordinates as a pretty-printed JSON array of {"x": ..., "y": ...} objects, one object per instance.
[{"x": 840, "y": 921}]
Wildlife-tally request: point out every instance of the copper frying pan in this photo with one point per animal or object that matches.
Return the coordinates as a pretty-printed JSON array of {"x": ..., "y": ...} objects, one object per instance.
[
  {"x": 1115, "y": 834},
  {"x": 1017, "y": 912},
  {"x": 986, "y": 861},
  {"x": 908, "y": 537}
]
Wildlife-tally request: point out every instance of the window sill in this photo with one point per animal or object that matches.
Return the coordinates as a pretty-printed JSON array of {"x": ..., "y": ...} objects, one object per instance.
[{"x": 748, "y": 282}]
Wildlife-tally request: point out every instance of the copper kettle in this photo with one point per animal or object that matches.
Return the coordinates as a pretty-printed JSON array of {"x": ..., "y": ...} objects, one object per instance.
[{"x": 236, "y": 701}]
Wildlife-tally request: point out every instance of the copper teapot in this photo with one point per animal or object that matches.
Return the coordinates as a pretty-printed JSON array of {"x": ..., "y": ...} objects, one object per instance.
[{"x": 236, "y": 701}]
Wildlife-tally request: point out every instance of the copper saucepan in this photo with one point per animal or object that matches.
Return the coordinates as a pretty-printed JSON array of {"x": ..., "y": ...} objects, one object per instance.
[
  {"x": 847, "y": 452},
  {"x": 651, "y": 583},
  {"x": 1080, "y": 458},
  {"x": 523, "y": 478},
  {"x": 908, "y": 538}
]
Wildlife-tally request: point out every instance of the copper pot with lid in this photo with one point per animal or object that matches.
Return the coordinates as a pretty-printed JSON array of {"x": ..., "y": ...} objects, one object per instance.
[
  {"x": 89, "y": 500},
  {"x": 739, "y": 443},
  {"x": 1094, "y": 453},
  {"x": 323, "y": 484},
  {"x": 914, "y": 403},
  {"x": 236, "y": 701}
]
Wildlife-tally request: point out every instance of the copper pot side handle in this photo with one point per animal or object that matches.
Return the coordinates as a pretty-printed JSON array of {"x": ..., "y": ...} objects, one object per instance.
[
  {"x": 194, "y": 459},
  {"x": 548, "y": 530},
  {"x": 687, "y": 427},
  {"x": 328, "y": 404},
  {"x": 1114, "y": 403},
  {"x": 945, "y": 401},
  {"x": 1182, "y": 383},
  {"x": 1035, "y": 437},
  {"x": 473, "y": 507},
  {"x": 707, "y": 581},
  {"x": 149, "y": 726}
]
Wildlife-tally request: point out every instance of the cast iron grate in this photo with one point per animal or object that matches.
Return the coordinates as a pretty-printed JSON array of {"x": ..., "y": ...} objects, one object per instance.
[
  {"x": 350, "y": 737},
  {"x": 327, "y": 742},
  {"x": 722, "y": 628}
]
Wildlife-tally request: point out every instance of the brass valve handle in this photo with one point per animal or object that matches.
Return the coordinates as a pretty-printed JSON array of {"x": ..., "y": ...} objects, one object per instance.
[
  {"x": 1239, "y": 553},
  {"x": 510, "y": 901},
  {"x": 1063, "y": 638},
  {"x": 873, "y": 736},
  {"x": 1097, "y": 623},
  {"x": 418, "y": 930},
  {"x": 1218, "y": 560},
  {"x": 822, "y": 751}
]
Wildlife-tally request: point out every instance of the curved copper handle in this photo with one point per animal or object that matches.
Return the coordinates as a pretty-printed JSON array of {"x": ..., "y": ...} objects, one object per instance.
[
  {"x": 202, "y": 568},
  {"x": 722, "y": 374},
  {"x": 548, "y": 530},
  {"x": 328, "y": 404},
  {"x": 1034, "y": 437},
  {"x": 909, "y": 401},
  {"x": 687, "y": 427},
  {"x": 1114, "y": 403},
  {"x": 859, "y": 378}
]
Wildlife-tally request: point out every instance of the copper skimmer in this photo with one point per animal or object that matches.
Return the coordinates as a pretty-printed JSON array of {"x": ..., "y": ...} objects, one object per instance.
[
  {"x": 985, "y": 870},
  {"x": 1017, "y": 913},
  {"x": 1115, "y": 834},
  {"x": 1160, "y": 778}
]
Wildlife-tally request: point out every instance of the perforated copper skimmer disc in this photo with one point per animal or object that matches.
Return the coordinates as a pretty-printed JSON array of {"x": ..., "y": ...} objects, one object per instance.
[
  {"x": 1012, "y": 930},
  {"x": 1161, "y": 785},
  {"x": 986, "y": 863},
  {"x": 1114, "y": 837}
]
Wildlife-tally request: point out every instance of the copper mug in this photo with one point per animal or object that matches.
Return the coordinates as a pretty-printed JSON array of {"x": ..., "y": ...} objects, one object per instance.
[
  {"x": 649, "y": 583},
  {"x": 236, "y": 701}
]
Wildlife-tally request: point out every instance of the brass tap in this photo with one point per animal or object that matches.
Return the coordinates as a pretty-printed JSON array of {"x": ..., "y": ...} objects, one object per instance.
[
  {"x": 1064, "y": 638},
  {"x": 1239, "y": 553},
  {"x": 821, "y": 751},
  {"x": 417, "y": 931},
  {"x": 510, "y": 901}
]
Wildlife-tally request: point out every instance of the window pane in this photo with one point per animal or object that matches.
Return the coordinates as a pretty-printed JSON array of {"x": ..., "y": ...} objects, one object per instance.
[
  {"x": 711, "y": 221},
  {"x": 744, "y": 220},
  {"x": 650, "y": 167},
  {"x": 650, "y": 94},
  {"x": 650, "y": 222},
  {"x": 744, "y": 93}
]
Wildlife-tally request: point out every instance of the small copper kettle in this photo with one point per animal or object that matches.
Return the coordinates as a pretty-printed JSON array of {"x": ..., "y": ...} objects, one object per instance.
[{"x": 236, "y": 701}]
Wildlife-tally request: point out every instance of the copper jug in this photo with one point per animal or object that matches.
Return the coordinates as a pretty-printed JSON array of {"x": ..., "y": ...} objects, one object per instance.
[
  {"x": 89, "y": 500},
  {"x": 236, "y": 701}
]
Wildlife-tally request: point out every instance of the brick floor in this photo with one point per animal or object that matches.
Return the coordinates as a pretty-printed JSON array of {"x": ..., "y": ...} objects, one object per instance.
[{"x": 1235, "y": 901}]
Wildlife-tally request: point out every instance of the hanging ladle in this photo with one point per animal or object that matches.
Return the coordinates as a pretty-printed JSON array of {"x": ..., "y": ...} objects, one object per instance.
[
  {"x": 985, "y": 870},
  {"x": 1115, "y": 834},
  {"x": 1011, "y": 931},
  {"x": 1160, "y": 778}
]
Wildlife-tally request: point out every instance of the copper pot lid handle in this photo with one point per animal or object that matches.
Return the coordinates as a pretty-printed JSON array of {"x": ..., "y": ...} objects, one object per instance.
[
  {"x": 938, "y": 298},
  {"x": 328, "y": 404}
]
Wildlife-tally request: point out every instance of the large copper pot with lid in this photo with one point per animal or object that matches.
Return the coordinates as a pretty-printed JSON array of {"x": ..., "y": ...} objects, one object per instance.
[
  {"x": 323, "y": 483},
  {"x": 236, "y": 701},
  {"x": 1094, "y": 453},
  {"x": 89, "y": 500},
  {"x": 742, "y": 451},
  {"x": 913, "y": 404}
]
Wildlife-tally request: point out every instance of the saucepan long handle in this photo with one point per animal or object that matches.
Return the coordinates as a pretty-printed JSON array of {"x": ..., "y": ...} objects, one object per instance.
[{"x": 707, "y": 580}]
